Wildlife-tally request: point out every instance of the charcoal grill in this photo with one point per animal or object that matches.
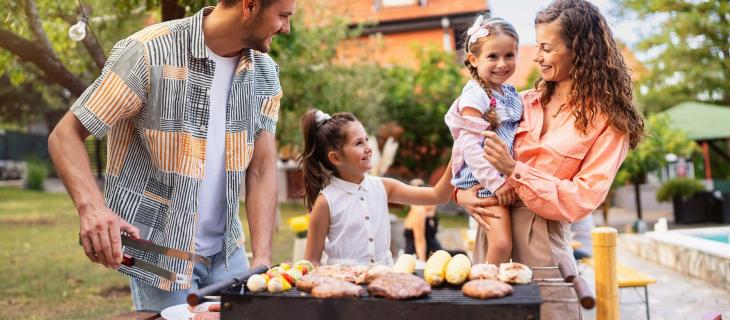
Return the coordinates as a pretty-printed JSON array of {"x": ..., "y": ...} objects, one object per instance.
[
  {"x": 442, "y": 303},
  {"x": 446, "y": 302}
]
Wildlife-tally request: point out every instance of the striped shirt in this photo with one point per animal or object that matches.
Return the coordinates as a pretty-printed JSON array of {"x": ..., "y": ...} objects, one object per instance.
[
  {"x": 509, "y": 111},
  {"x": 152, "y": 99}
]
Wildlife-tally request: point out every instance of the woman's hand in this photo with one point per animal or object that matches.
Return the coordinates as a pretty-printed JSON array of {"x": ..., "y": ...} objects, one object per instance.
[
  {"x": 497, "y": 153},
  {"x": 478, "y": 208}
]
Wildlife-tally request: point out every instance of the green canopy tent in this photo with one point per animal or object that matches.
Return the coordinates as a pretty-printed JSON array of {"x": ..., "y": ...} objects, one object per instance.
[{"x": 707, "y": 124}]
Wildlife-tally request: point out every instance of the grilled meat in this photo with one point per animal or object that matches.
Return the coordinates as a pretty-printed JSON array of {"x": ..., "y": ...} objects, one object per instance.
[
  {"x": 336, "y": 289},
  {"x": 486, "y": 289},
  {"x": 399, "y": 286}
]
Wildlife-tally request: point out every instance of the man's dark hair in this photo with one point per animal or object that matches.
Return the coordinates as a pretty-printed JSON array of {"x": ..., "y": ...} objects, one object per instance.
[{"x": 264, "y": 3}]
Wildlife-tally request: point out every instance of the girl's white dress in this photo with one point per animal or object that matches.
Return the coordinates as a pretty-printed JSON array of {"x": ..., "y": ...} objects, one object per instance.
[{"x": 359, "y": 231}]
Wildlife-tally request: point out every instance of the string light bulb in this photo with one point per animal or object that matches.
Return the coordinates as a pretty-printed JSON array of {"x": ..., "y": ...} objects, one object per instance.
[{"x": 77, "y": 32}]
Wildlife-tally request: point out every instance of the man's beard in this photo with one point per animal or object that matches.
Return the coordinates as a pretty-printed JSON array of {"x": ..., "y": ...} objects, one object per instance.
[
  {"x": 252, "y": 40},
  {"x": 256, "y": 43}
]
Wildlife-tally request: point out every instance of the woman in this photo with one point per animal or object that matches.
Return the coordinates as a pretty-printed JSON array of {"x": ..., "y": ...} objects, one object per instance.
[
  {"x": 419, "y": 229},
  {"x": 577, "y": 128}
]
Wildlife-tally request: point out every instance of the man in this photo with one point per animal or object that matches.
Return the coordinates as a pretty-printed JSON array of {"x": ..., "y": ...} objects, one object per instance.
[{"x": 190, "y": 108}]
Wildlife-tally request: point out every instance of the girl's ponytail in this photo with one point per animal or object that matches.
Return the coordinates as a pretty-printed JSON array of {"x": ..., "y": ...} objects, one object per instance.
[{"x": 321, "y": 135}]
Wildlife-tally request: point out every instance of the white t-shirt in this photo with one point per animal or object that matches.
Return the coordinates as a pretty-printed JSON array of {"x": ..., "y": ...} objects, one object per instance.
[
  {"x": 212, "y": 194},
  {"x": 359, "y": 231}
]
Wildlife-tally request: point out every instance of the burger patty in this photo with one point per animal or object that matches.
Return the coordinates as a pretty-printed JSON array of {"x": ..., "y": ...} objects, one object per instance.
[
  {"x": 399, "y": 286},
  {"x": 486, "y": 289}
]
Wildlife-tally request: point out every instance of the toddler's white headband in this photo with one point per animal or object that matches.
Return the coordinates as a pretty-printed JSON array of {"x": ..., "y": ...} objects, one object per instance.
[{"x": 477, "y": 30}]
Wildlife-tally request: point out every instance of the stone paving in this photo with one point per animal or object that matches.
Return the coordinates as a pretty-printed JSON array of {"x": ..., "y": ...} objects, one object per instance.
[{"x": 673, "y": 296}]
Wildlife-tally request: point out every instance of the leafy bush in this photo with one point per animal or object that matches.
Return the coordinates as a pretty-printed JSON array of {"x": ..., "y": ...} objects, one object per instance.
[
  {"x": 417, "y": 100},
  {"x": 683, "y": 187},
  {"x": 36, "y": 173}
]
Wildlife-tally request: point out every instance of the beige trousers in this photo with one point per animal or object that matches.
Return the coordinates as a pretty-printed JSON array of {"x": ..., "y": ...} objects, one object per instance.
[{"x": 538, "y": 242}]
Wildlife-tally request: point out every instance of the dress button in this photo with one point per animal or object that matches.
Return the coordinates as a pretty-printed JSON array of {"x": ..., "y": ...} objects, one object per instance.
[
  {"x": 371, "y": 239},
  {"x": 203, "y": 128},
  {"x": 518, "y": 176},
  {"x": 367, "y": 217},
  {"x": 362, "y": 199}
]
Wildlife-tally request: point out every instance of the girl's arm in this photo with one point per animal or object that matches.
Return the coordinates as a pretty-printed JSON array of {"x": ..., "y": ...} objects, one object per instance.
[
  {"x": 319, "y": 224},
  {"x": 399, "y": 192}
]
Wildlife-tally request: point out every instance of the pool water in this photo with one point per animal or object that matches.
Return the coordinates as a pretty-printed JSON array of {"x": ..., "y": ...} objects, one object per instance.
[{"x": 724, "y": 238}]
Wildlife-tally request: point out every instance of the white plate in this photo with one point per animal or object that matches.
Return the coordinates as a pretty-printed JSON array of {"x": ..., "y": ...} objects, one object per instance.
[{"x": 181, "y": 311}]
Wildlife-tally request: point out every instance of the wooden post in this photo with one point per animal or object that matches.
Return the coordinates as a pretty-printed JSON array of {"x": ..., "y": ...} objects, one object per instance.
[
  {"x": 604, "y": 256},
  {"x": 706, "y": 156}
]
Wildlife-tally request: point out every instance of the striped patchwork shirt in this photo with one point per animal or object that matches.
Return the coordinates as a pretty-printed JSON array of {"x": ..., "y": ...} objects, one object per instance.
[{"x": 152, "y": 100}]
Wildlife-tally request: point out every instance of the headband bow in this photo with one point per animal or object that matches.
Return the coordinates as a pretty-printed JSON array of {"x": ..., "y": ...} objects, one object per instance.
[
  {"x": 477, "y": 31},
  {"x": 321, "y": 117}
]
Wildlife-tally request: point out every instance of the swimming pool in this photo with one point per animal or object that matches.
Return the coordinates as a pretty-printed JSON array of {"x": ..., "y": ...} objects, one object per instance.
[{"x": 724, "y": 238}]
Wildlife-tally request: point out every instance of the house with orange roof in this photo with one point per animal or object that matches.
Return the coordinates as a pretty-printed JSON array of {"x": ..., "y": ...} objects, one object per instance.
[{"x": 393, "y": 28}]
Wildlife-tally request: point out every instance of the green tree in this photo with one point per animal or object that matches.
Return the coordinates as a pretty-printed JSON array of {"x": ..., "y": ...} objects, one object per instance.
[
  {"x": 690, "y": 51},
  {"x": 312, "y": 77},
  {"x": 531, "y": 78},
  {"x": 417, "y": 100},
  {"x": 44, "y": 68},
  {"x": 650, "y": 153}
]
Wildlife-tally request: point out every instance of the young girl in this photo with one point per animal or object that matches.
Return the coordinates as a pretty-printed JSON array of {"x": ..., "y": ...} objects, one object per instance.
[
  {"x": 486, "y": 102},
  {"x": 349, "y": 209}
]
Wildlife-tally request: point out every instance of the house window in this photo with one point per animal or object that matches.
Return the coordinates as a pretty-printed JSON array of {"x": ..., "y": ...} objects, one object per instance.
[{"x": 398, "y": 3}]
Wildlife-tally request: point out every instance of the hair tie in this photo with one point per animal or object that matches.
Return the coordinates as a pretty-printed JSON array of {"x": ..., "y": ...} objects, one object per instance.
[
  {"x": 477, "y": 31},
  {"x": 320, "y": 117}
]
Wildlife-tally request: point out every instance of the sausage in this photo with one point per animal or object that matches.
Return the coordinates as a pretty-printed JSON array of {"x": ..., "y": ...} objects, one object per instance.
[{"x": 216, "y": 307}]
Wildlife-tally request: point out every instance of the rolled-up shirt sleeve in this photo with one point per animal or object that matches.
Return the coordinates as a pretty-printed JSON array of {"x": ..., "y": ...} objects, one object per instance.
[
  {"x": 119, "y": 92},
  {"x": 572, "y": 199}
]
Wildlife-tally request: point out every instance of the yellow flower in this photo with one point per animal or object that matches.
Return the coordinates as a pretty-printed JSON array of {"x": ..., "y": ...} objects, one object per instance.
[{"x": 299, "y": 224}]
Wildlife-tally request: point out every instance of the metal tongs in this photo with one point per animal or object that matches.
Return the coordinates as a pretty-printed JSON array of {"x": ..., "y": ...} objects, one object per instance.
[{"x": 149, "y": 246}]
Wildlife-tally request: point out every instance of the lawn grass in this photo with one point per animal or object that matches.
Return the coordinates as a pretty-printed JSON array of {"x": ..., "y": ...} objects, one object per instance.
[{"x": 46, "y": 274}]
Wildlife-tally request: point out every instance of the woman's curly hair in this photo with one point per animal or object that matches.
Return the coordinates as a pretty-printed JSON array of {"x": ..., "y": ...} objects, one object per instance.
[{"x": 601, "y": 80}]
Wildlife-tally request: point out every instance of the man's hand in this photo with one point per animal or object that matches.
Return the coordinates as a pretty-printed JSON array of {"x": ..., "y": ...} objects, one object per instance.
[
  {"x": 101, "y": 236},
  {"x": 478, "y": 208},
  {"x": 506, "y": 195}
]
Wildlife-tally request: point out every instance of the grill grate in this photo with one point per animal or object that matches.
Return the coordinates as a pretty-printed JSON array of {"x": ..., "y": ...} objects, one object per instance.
[
  {"x": 443, "y": 302},
  {"x": 521, "y": 294}
]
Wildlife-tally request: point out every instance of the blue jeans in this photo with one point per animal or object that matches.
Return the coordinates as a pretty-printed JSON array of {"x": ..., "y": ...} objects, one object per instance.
[{"x": 148, "y": 297}]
